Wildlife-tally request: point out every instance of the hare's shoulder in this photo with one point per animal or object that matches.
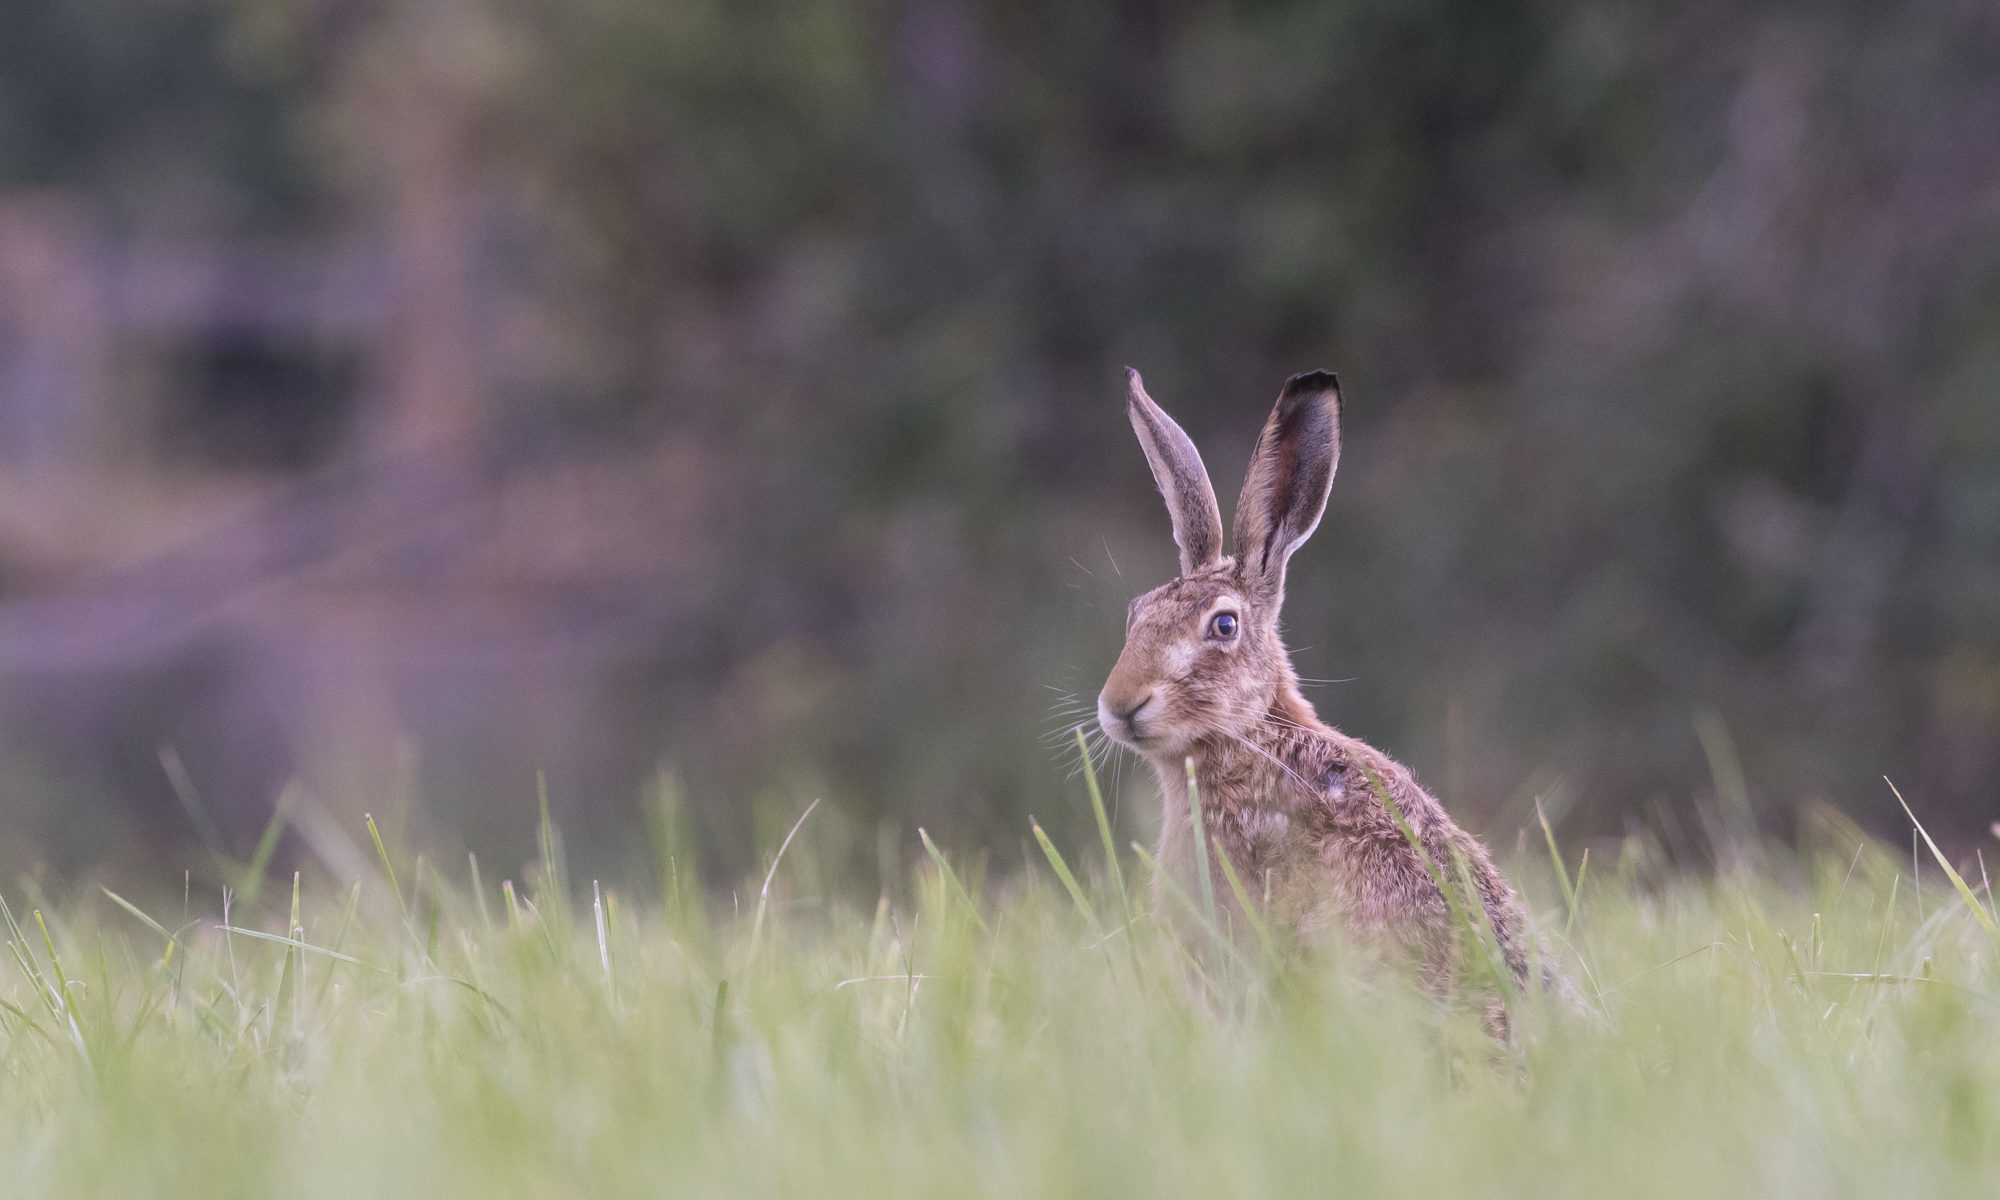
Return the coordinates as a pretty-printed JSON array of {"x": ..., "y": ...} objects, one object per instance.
[
  {"x": 1356, "y": 868},
  {"x": 1358, "y": 791}
]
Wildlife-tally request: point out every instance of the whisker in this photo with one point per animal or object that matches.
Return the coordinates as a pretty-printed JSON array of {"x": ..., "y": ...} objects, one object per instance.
[
  {"x": 1256, "y": 749},
  {"x": 1275, "y": 719},
  {"x": 1069, "y": 731},
  {"x": 1095, "y": 742}
]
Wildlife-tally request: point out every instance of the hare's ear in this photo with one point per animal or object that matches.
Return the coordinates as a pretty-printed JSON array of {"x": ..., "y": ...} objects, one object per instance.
[
  {"x": 1291, "y": 472},
  {"x": 1183, "y": 480}
]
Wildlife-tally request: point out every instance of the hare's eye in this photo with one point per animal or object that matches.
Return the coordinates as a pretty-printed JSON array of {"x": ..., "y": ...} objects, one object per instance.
[{"x": 1222, "y": 625}]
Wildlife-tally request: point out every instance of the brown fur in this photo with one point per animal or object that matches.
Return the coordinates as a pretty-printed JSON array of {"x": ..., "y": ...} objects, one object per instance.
[{"x": 1296, "y": 805}]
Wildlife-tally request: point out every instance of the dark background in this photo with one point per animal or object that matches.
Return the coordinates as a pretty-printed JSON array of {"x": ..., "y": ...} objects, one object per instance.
[{"x": 721, "y": 399}]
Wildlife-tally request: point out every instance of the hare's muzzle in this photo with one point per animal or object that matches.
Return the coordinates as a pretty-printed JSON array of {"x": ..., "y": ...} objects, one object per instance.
[{"x": 1122, "y": 712}]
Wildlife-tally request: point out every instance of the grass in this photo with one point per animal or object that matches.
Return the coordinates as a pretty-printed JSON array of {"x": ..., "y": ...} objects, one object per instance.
[{"x": 1818, "y": 1025}]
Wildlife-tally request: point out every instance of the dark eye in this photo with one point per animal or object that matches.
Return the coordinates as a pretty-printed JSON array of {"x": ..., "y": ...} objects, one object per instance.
[{"x": 1222, "y": 625}]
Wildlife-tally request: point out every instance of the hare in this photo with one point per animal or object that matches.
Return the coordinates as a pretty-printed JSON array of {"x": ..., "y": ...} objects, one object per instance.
[{"x": 1204, "y": 686}]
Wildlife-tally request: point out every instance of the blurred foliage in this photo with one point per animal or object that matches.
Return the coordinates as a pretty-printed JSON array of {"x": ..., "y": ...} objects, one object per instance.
[
  {"x": 1815, "y": 1027},
  {"x": 1670, "y": 336}
]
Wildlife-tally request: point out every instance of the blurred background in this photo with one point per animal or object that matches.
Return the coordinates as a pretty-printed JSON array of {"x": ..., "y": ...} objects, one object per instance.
[{"x": 716, "y": 404}]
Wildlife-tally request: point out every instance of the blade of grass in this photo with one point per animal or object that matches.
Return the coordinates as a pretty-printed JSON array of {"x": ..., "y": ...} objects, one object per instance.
[
  {"x": 339, "y": 940},
  {"x": 1582, "y": 871},
  {"x": 1732, "y": 787},
  {"x": 764, "y": 893},
  {"x": 303, "y": 945},
  {"x": 26, "y": 1019},
  {"x": 436, "y": 893},
  {"x": 251, "y": 880},
  {"x": 296, "y": 959},
  {"x": 1257, "y": 923},
  {"x": 1792, "y": 962},
  {"x": 479, "y": 892},
  {"x": 951, "y": 878},
  {"x": 1489, "y": 955},
  {"x": 388, "y": 869},
  {"x": 549, "y": 845},
  {"x": 184, "y": 791},
  {"x": 1957, "y": 881},
  {"x": 1104, "y": 826},
  {"x": 61, "y": 990},
  {"x": 1659, "y": 967},
  {"x": 1115, "y": 872},
  {"x": 1487, "y": 937},
  {"x": 1986, "y": 883},
  {"x": 1855, "y": 977},
  {"x": 147, "y": 921},
  {"x": 1555, "y": 856},
  {"x": 1200, "y": 830},
  {"x": 1068, "y": 880},
  {"x": 719, "y": 1039},
  {"x": 17, "y": 945},
  {"x": 603, "y": 937},
  {"x": 1180, "y": 896}
]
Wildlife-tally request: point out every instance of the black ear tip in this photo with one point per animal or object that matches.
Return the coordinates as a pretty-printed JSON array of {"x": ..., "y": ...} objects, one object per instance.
[
  {"x": 1311, "y": 381},
  {"x": 1134, "y": 389}
]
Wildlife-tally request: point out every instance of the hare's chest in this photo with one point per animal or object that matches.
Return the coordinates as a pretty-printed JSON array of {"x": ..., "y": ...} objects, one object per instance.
[{"x": 1256, "y": 839}]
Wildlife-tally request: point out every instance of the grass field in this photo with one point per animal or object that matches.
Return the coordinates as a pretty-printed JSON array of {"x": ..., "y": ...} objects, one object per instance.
[{"x": 1815, "y": 1025}]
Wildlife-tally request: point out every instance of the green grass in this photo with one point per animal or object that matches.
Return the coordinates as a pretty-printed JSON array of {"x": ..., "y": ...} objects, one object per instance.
[{"x": 1814, "y": 1026}]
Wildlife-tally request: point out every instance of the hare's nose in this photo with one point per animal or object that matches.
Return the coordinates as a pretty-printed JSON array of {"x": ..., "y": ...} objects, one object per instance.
[
  {"x": 1125, "y": 710},
  {"x": 1131, "y": 714}
]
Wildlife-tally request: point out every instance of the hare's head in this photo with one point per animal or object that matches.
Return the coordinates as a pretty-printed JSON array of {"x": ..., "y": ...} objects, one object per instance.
[{"x": 1202, "y": 656}]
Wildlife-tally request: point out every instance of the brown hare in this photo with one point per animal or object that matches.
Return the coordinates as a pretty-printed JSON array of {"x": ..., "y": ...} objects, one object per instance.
[{"x": 1297, "y": 806}]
